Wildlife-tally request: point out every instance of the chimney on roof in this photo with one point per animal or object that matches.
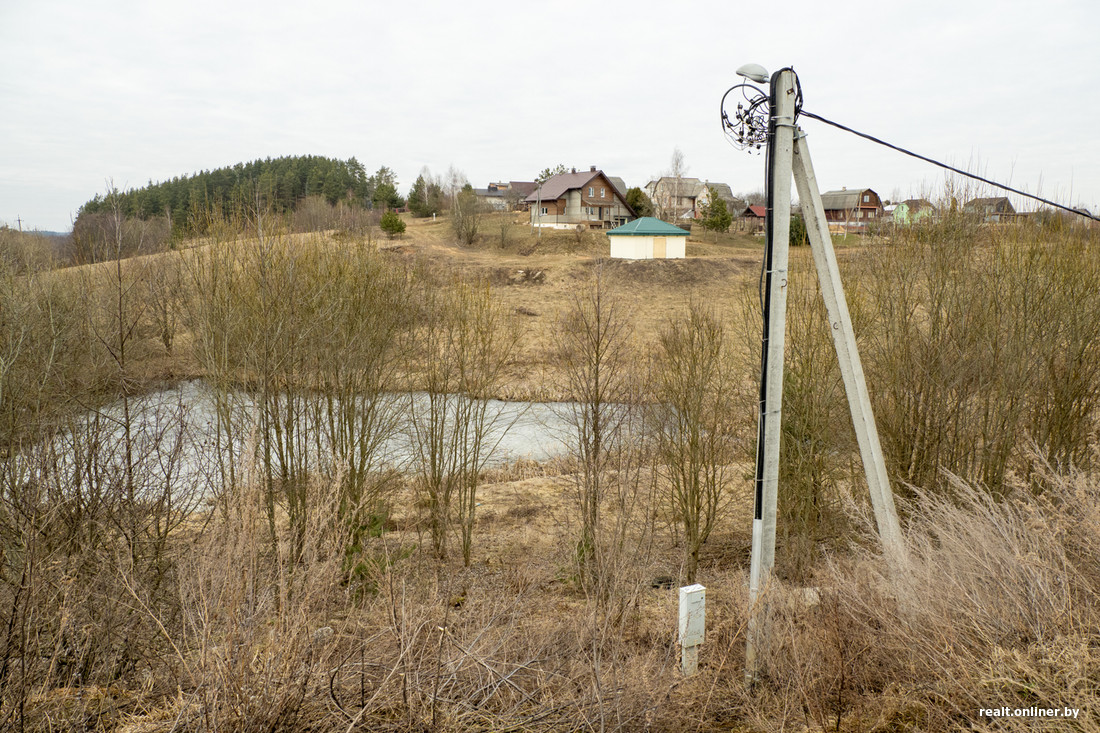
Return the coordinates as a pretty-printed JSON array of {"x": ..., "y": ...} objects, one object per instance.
[
  {"x": 574, "y": 170},
  {"x": 593, "y": 169}
]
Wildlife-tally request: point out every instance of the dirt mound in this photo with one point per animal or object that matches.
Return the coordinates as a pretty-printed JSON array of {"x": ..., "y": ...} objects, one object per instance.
[{"x": 679, "y": 272}]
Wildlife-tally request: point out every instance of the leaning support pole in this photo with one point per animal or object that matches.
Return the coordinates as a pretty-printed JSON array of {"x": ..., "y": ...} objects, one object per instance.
[
  {"x": 851, "y": 369},
  {"x": 780, "y": 154}
]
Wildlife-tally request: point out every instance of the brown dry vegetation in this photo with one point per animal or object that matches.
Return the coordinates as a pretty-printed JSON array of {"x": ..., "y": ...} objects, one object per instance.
[{"x": 295, "y": 591}]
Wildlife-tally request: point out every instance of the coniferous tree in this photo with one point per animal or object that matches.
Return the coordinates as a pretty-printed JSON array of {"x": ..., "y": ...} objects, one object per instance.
[
  {"x": 716, "y": 216},
  {"x": 392, "y": 224},
  {"x": 639, "y": 202}
]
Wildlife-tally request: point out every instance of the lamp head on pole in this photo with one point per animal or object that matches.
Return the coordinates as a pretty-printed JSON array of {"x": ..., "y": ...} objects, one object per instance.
[{"x": 754, "y": 72}]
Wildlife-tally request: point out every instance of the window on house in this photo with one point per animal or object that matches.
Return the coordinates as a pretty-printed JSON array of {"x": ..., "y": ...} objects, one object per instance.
[
  {"x": 602, "y": 192},
  {"x": 870, "y": 215},
  {"x": 591, "y": 191},
  {"x": 866, "y": 198},
  {"x": 544, "y": 211}
]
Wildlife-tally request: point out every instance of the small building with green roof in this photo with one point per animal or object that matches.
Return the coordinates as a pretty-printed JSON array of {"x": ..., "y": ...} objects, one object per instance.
[{"x": 648, "y": 238}]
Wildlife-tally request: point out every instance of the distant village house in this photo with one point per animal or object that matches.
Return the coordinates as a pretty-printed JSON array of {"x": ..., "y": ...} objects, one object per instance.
[
  {"x": 588, "y": 198},
  {"x": 685, "y": 198},
  {"x": 505, "y": 196},
  {"x": 849, "y": 210},
  {"x": 912, "y": 211},
  {"x": 996, "y": 210}
]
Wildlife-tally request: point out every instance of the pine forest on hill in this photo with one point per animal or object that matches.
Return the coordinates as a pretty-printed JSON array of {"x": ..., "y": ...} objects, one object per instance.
[{"x": 278, "y": 183}]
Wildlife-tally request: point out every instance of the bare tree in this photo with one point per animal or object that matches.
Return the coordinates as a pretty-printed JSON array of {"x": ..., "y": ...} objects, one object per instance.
[
  {"x": 454, "y": 181},
  {"x": 676, "y": 171},
  {"x": 466, "y": 215},
  {"x": 669, "y": 189},
  {"x": 317, "y": 333},
  {"x": 594, "y": 355}
]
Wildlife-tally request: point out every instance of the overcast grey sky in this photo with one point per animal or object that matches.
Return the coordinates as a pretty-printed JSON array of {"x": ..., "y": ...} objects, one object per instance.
[{"x": 140, "y": 91}]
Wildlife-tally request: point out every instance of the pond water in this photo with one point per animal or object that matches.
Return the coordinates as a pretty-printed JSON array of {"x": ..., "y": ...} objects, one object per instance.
[{"x": 181, "y": 422}]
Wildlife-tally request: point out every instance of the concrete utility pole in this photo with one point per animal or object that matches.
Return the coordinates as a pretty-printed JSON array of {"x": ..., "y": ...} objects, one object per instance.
[
  {"x": 780, "y": 154},
  {"x": 787, "y": 157}
]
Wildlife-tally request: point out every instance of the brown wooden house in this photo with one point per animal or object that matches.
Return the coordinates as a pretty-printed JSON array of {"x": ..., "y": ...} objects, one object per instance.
[
  {"x": 851, "y": 210},
  {"x": 751, "y": 219},
  {"x": 586, "y": 198}
]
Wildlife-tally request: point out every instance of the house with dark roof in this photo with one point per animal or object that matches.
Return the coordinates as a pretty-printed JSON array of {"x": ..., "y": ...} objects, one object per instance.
[
  {"x": 504, "y": 196},
  {"x": 997, "y": 209},
  {"x": 522, "y": 188},
  {"x": 585, "y": 198},
  {"x": 491, "y": 198},
  {"x": 849, "y": 210}
]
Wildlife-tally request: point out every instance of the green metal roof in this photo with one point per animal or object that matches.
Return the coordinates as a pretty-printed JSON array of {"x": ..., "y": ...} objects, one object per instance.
[{"x": 649, "y": 226}]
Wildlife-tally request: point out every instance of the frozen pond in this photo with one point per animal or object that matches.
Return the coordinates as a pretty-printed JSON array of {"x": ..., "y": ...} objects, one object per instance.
[
  {"x": 175, "y": 437},
  {"x": 532, "y": 430}
]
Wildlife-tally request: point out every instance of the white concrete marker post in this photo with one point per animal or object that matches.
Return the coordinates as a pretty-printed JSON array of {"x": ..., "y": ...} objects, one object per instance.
[{"x": 693, "y": 612}]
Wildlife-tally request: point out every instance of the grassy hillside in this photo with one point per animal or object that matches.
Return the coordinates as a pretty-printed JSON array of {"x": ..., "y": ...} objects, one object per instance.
[{"x": 289, "y": 578}]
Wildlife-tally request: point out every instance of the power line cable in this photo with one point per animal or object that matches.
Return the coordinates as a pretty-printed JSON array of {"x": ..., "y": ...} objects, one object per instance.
[
  {"x": 953, "y": 169},
  {"x": 750, "y": 131}
]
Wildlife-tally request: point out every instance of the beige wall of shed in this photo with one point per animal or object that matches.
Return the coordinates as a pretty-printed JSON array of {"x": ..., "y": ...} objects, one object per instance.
[{"x": 641, "y": 248}]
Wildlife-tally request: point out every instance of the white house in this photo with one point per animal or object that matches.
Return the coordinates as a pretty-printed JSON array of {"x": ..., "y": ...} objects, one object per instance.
[{"x": 648, "y": 239}]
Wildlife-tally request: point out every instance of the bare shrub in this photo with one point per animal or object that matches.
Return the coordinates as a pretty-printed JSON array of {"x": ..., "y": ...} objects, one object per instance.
[
  {"x": 314, "y": 214},
  {"x": 253, "y": 645},
  {"x": 164, "y": 298},
  {"x": 467, "y": 213},
  {"x": 465, "y": 342},
  {"x": 23, "y": 252},
  {"x": 972, "y": 346},
  {"x": 91, "y": 489},
  {"x": 694, "y": 424},
  {"x": 348, "y": 220},
  {"x": 98, "y": 237}
]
